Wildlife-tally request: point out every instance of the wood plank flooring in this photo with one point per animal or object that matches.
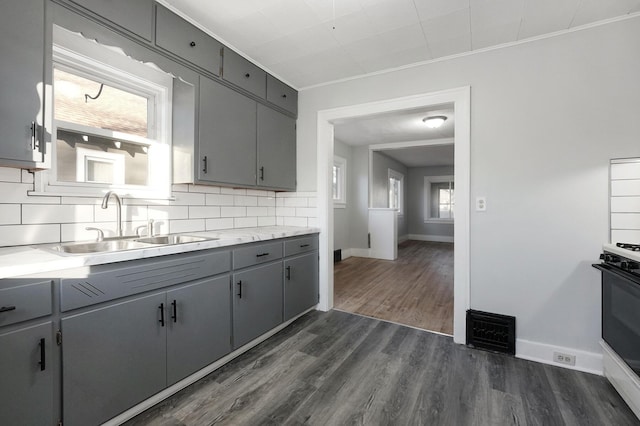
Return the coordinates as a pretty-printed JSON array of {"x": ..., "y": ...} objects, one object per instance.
[
  {"x": 337, "y": 368},
  {"x": 416, "y": 289}
]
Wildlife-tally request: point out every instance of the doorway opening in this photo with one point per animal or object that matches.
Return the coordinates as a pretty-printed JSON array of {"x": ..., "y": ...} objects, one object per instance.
[{"x": 460, "y": 99}]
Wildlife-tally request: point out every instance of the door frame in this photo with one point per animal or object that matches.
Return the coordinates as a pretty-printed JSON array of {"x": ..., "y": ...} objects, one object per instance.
[{"x": 461, "y": 98}]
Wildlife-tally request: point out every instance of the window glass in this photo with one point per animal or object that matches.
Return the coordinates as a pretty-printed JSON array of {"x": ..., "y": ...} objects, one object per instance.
[{"x": 439, "y": 198}]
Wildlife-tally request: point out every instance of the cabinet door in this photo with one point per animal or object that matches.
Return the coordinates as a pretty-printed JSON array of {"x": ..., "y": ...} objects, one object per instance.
[
  {"x": 135, "y": 16},
  {"x": 21, "y": 82},
  {"x": 276, "y": 149},
  {"x": 199, "y": 329},
  {"x": 227, "y": 137},
  {"x": 257, "y": 302},
  {"x": 300, "y": 284},
  {"x": 26, "y": 394},
  {"x": 112, "y": 358}
]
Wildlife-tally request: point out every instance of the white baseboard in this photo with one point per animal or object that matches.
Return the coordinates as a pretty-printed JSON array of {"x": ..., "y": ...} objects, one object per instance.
[
  {"x": 360, "y": 252},
  {"x": 589, "y": 362},
  {"x": 346, "y": 253},
  {"x": 403, "y": 238},
  {"x": 622, "y": 378},
  {"x": 434, "y": 238}
]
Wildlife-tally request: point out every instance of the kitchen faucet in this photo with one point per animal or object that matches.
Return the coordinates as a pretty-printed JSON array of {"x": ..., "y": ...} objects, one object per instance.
[{"x": 105, "y": 204}]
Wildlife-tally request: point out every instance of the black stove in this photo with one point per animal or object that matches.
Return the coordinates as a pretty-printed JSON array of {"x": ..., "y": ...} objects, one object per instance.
[{"x": 629, "y": 246}]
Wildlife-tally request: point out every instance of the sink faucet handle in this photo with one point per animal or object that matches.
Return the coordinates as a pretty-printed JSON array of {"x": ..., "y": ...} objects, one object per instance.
[
  {"x": 100, "y": 232},
  {"x": 150, "y": 231},
  {"x": 139, "y": 230}
]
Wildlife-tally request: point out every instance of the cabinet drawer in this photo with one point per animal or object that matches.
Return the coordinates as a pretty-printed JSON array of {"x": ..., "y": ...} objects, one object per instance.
[
  {"x": 257, "y": 254},
  {"x": 110, "y": 282},
  {"x": 300, "y": 245},
  {"x": 24, "y": 301},
  {"x": 183, "y": 39},
  {"x": 282, "y": 95},
  {"x": 135, "y": 16},
  {"x": 244, "y": 74}
]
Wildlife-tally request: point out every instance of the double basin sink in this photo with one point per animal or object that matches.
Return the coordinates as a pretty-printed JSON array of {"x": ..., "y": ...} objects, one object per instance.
[{"x": 126, "y": 243}]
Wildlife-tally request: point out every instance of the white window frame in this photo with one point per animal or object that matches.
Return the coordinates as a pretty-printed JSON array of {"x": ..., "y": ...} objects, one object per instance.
[
  {"x": 83, "y": 156},
  {"x": 73, "y": 53},
  {"x": 428, "y": 180},
  {"x": 341, "y": 164},
  {"x": 393, "y": 174}
]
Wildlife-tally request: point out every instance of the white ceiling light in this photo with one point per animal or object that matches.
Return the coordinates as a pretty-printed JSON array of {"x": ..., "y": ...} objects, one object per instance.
[{"x": 435, "y": 121}]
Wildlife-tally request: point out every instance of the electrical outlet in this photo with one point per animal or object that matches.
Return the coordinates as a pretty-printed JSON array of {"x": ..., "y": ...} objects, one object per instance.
[
  {"x": 481, "y": 204},
  {"x": 561, "y": 358}
]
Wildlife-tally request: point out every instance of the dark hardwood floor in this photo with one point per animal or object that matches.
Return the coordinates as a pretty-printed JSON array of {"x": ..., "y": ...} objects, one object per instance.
[
  {"x": 416, "y": 289},
  {"x": 337, "y": 368}
]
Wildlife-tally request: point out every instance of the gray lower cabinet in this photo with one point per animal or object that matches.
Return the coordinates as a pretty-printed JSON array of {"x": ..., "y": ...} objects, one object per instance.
[
  {"x": 26, "y": 393},
  {"x": 227, "y": 136},
  {"x": 300, "y": 284},
  {"x": 112, "y": 358},
  {"x": 257, "y": 302},
  {"x": 276, "y": 149},
  {"x": 199, "y": 326},
  {"x": 21, "y": 83}
]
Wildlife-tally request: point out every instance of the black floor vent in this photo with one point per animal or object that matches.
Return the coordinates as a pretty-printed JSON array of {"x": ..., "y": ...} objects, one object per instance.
[
  {"x": 337, "y": 255},
  {"x": 493, "y": 332}
]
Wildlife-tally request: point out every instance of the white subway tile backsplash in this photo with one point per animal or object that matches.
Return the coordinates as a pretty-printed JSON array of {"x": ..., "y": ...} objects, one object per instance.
[
  {"x": 625, "y": 204},
  {"x": 129, "y": 213},
  {"x": 257, "y": 211},
  {"x": 279, "y": 202},
  {"x": 313, "y": 202},
  {"x": 233, "y": 211},
  {"x": 267, "y": 221},
  {"x": 279, "y": 221},
  {"x": 10, "y": 214},
  {"x": 183, "y": 187},
  {"x": 271, "y": 211},
  {"x": 625, "y": 221},
  {"x": 285, "y": 211},
  {"x": 56, "y": 213},
  {"x": 630, "y": 170},
  {"x": 625, "y": 236},
  {"x": 189, "y": 225},
  {"x": 27, "y": 176},
  {"x": 17, "y": 193},
  {"x": 203, "y": 212},
  {"x": 295, "y": 221},
  {"x": 258, "y": 192},
  {"x": 305, "y": 212},
  {"x": 81, "y": 200},
  {"x": 220, "y": 223},
  {"x": 167, "y": 212},
  {"x": 204, "y": 189},
  {"x": 239, "y": 191},
  {"x": 625, "y": 187},
  {"x": 296, "y": 202},
  {"x": 17, "y": 235},
  {"x": 188, "y": 199},
  {"x": 245, "y": 222},
  {"x": 8, "y": 174},
  {"x": 267, "y": 201},
  {"x": 312, "y": 221},
  {"x": 245, "y": 200},
  {"x": 219, "y": 200},
  {"x": 225, "y": 190}
]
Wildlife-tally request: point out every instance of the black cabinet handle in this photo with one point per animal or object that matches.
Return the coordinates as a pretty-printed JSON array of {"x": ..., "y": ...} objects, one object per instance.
[
  {"x": 240, "y": 289},
  {"x": 7, "y": 309},
  {"x": 284, "y": 96},
  {"x": 43, "y": 356},
  {"x": 247, "y": 75},
  {"x": 304, "y": 245},
  {"x": 262, "y": 254},
  {"x": 192, "y": 44},
  {"x": 161, "y": 307},
  {"x": 288, "y": 272},
  {"x": 261, "y": 173},
  {"x": 174, "y": 316},
  {"x": 33, "y": 135},
  {"x": 204, "y": 161}
]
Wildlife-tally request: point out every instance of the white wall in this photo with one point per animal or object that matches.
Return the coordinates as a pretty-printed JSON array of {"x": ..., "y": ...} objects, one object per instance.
[
  {"x": 341, "y": 215},
  {"x": 359, "y": 198},
  {"x": 546, "y": 117},
  {"x": 380, "y": 166}
]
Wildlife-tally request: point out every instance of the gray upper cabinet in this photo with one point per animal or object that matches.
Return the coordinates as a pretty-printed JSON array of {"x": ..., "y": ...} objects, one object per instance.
[
  {"x": 276, "y": 149},
  {"x": 26, "y": 394},
  {"x": 282, "y": 95},
  {"x": 257, "y": 302},
  {"x": 242, "y": 73},
  {"x": 179, "y": 37},
  {"x": 134, "y": 16},
  {"x": 199, "y": 326},
  {"x": 227, "y": 136},
  {"x": 112, "y": 358},
  {"x": 21, "y": 83}
]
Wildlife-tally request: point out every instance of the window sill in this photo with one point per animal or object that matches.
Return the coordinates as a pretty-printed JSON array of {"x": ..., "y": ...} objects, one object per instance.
[
  {"x": 441, "y": 221},
  {"x": 339, "y": 205},
  {"x": 97, "y": 195}
]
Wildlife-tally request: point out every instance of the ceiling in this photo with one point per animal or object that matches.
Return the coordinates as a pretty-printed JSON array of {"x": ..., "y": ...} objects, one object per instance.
[
  {"x": 423, "y": 156},
  {"x": 309, "y": 42}
]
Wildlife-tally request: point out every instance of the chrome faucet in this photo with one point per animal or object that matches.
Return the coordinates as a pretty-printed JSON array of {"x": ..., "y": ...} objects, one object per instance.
[{"x": 105, "y": 204}]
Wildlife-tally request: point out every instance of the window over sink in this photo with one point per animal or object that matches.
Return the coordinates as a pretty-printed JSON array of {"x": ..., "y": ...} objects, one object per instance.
[{"x": 110, "y": 122}]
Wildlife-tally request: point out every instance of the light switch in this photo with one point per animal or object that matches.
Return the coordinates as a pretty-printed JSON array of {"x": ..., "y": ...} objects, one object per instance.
[{"x": 481, "y": 204}]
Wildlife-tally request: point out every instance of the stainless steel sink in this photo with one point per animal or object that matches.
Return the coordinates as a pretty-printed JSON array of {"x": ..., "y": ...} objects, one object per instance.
[
  {"x": 173, "y": 239},
  {"x": 98, "y": 246}
]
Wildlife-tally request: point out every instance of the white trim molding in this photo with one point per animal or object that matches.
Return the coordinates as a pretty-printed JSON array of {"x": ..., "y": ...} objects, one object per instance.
[
  {"x": 434, "y": 238},
  {"x": 589, "y": 362},
  {"x": 461, "y": 98}
]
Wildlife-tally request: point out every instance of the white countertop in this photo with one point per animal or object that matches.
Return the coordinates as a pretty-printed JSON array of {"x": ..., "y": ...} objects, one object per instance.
[{"x": 27, "y": 260}]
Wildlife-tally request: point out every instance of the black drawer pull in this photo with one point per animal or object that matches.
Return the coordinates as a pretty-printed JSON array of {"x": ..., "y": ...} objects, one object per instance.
[
  {"x": 304, "y": 245},
  {"x": 261, "y": 173},
  {"x": 288, "y": 272},
  {"x": 284, "y": 96},
  {"x": 262, "y": 254},
  {"x": 174, "y": 316},
  {"x": 43, "y": 356},
  {"x": 7, "y": 309},
  {"x": 204, "y": 161},
  {"x": 192, "y": 44},
  {"x": 247, "y": 75},
  {"x": 161, "y": 321},
  {"x": 240, "y": 289}
]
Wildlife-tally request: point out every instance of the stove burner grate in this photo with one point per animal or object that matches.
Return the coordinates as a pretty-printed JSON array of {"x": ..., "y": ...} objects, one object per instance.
[{"x": 629, "y": 246}]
